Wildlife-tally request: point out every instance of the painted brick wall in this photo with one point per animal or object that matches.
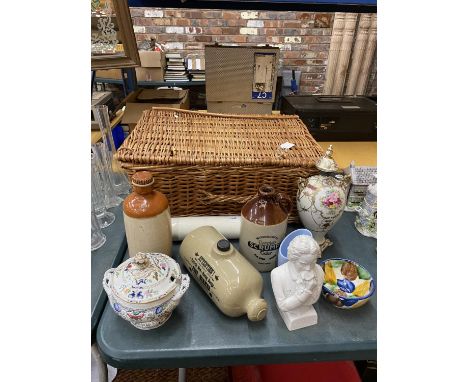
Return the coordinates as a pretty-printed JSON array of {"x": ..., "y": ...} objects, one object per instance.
[{"x": 303, "y": 37}]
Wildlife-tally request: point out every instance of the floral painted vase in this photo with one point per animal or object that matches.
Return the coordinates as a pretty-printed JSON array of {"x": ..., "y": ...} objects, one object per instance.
[{"x": 321, "y": 198}]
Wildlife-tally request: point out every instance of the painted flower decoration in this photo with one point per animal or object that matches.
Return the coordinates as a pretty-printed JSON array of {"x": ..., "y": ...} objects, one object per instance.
[{"x": 332, "y": 200}]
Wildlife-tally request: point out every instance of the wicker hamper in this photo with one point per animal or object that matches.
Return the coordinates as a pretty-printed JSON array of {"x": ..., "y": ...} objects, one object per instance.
[{"x": 211, "y": 164}]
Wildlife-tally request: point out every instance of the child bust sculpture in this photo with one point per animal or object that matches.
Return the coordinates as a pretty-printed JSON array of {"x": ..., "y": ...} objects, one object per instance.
[{"x": 297, "y": 284}]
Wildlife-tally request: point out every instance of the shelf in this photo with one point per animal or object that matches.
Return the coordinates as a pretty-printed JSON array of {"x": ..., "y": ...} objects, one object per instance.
[
  {"x": 356, "y": 6},
  {"x": 151, "y": 83}
]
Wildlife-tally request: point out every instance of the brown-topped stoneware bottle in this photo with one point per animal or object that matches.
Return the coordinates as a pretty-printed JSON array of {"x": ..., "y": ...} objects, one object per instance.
[
  {"x": 264, "y": 221},
  {"x": 147, "y": 218}
]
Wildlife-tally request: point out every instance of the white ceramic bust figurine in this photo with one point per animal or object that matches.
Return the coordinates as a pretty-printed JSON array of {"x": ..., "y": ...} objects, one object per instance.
[{"x": 297, "y": 284}]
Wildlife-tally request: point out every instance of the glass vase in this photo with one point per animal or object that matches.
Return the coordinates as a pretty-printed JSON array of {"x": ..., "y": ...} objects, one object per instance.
[
  {"x": 97, "y": 237},
  {"x": 119, "y": 179},
  {"x": 111, "y": 199},
  {"x": 105, "y": 218}
]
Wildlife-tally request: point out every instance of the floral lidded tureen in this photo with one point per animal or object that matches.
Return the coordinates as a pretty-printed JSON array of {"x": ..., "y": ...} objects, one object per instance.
[
  {"x": 145, "y": 289},
  {"x": 321, "y": 198}
]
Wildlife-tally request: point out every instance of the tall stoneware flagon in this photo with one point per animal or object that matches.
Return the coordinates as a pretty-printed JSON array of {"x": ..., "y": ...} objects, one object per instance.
[
  {"x": 147, "y": 217},
  {"x": 264, "y": 221},
  {"x": 321, "y": 198}
]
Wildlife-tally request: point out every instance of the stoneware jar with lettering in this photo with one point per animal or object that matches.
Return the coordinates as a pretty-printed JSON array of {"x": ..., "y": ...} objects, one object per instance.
[
  {"x": 230, "y": 281},
  {"x": 147, "y": 217},
  {"x": 321, "y": 198},
  {"x": 145, "y": 289},
  {"x": 264, "y": 220}
]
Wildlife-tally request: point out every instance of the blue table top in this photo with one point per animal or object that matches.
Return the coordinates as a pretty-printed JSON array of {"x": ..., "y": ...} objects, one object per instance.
[
  {"x": 108, "y": 256},
  {"x": 199, "y": 335}
]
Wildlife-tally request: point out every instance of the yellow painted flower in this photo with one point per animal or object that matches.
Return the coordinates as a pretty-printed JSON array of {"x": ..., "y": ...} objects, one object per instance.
[
  {"x": 330, "y": 276},
  {"x": 362, "y": 289}
]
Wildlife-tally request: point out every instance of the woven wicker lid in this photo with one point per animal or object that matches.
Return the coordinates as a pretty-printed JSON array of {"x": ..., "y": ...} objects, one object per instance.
[
  {"x": 142, "y": 179},
  {"x": 167, "y": 136}
]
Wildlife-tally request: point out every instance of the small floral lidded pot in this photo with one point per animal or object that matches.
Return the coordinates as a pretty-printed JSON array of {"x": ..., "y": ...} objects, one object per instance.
[
  {"x": 145, "y": 289},
  {"x": 366, "y": 220},
  {"x": 321, "y": 198}
]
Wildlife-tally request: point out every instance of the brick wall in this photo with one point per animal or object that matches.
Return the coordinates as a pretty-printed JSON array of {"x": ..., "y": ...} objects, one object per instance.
[{"x": 303, "y": 37}]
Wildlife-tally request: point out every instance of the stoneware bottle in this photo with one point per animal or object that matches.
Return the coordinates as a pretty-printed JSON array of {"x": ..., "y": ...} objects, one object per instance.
[
  {"x": 231, "y": 282},
  {"x": 264, "y": 220},
  {"x": 147, "y": 218},
  {"x": 321, "y": 198}
]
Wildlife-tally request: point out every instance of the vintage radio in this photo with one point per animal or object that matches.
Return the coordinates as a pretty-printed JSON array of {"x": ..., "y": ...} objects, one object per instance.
[
  {"x": 241, "y": 79},
  {"x": 335, "y": 118}
]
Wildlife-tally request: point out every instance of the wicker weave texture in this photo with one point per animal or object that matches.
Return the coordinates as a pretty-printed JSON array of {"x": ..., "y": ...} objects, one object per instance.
[
  {"x": 211, "y": 164},
  {"x": 204, "y": 374}
]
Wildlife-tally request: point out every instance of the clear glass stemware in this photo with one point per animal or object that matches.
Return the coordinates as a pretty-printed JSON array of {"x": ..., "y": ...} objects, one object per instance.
[
  {"x": 119, "y": 179},
  {"x": 97, "y": 237},
  {"x": 111, "y": 199},
  {"x": 105, "y": 218}
]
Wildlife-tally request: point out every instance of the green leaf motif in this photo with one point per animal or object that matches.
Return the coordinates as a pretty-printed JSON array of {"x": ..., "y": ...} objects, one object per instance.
[
  {"x": 336, "y": 263},
  {"x": 363, "y": 274}
]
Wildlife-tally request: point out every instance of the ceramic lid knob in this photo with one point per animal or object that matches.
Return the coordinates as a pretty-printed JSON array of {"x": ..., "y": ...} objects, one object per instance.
[
  {"x": 142, "y": 179},
  {"x": 257, "y": 309},
  {"x": 140, "y": 259},
  {"x": 327, "y": 163}
]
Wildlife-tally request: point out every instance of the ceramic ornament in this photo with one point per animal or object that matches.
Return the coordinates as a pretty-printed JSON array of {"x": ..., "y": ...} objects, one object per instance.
[
  {"x": 366, "y": 220},
  {"x": 283, "y": 249},
  {"x": 321, "y": 198},
  {"x": 297, "y": 284}
]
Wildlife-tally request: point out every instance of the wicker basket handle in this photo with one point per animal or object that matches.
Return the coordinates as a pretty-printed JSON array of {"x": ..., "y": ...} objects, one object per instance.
[{"x": 210, "y": 198}]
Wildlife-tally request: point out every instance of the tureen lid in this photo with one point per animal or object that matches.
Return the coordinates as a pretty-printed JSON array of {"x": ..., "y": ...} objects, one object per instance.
[
  {"x": 147, "y": 277},
  {"x": 327, "y": 163}
]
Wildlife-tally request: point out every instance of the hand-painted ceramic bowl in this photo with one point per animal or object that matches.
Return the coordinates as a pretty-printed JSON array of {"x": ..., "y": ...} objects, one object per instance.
[
  {"x": 347, "y": 285},
  {"x": 283, "y": 249}
]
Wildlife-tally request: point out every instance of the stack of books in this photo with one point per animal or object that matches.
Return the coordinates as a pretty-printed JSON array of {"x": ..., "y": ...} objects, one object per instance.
[
  {"x": 175, "y": 70},
  {"x": 196, "y": 68}
]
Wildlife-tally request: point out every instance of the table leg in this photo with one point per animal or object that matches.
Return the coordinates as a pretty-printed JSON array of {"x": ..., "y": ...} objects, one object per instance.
[
  {"x": 182, "y": 372},
  {"x": 102, "y": 366}
]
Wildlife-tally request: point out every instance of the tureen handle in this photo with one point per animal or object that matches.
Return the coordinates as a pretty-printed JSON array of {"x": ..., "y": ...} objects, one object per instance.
[
  {"x": 184, "y": 284},
  {"x": 106, "y": 280}
]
